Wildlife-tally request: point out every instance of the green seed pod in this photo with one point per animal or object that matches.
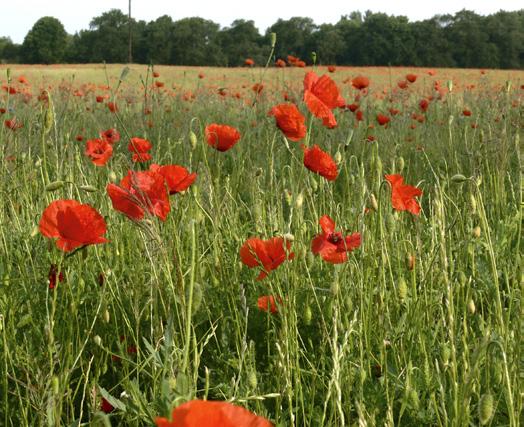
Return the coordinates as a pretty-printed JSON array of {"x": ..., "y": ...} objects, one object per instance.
[
  {"x": 338, "y": 157},
  {"x": 34, "y": 231},
  {"x": 314, "y": 184},
  {"x": 112, "y": 176},
  {"x": 335, "y": 288},
  {"x": 497, "y": 373},
  {"x": 252, "y": 380},
  {"x": 193, "y": 139},
  {"x": 314, "y": 57},
  {"x": 401, "y": 164},
  {"x": 485, "y": 408},
  {"x": 373, "y": 202},
  {"x": 402, "y": 289},
  {"x": 462, "y": 278},
  {"x": 471, "y": 306},
  {"x": 88, "y": 188},
  {"x": 55, "y": 185},
  {"x": 308, "y": 315},
  {"x": 450, "y": 85},
  {"x": 458, "y": 178},
  {"x": 98, "y": 340},
  {"x": 106, "y": 315},
  {"x": 273, "y": 39},
  {"x": 299, "y": 200}
]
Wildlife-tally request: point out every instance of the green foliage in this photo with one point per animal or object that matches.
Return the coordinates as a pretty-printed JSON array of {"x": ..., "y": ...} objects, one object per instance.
[{"x": 45, "y": 43}]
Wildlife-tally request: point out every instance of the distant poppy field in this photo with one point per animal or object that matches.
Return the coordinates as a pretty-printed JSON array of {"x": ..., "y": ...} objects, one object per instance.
[{"x": 260, "y": 246}]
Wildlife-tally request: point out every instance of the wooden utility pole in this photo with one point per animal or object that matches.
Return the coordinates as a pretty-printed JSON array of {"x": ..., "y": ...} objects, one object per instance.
[{"x": 130, "y": 46}]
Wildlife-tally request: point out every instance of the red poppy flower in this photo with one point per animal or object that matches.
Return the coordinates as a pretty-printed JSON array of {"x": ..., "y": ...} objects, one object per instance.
[
  {"x": 359, "y": 115},
  {"x": 393, "y": 111},
  {"x": 201, "y": 75},
  {"x": 140, "y": 147},
  {"x": 54, "y": 276},
  {"x": 110, "y": 135},
  {"x": 320, "y": 162},
  {"x": 466, "y": 112},
  {"x": 177, "y": 177},
  {"x": 2, "y": 110},
  {"x": 13, "y": 124},
  {"x": 352, "y": 107},
  {"x": 112, "y": 107},
  {"x": 73, "y": 224},
  {"x": 383, "y": 119},
  {"x": 156, "y": 74},
  {"x": 221, "y": 137},
  {"x": 268, "y": 254},
  {"x": 411, "y": 78},
  {"x": 99, "y": 151},
  {"x": 424, "y": 105},
  {"x": 159, "y": 84},
  {"x": 249, "y": 62},
  {"x": 290, "y": 121},
  {"x": 267, "y": 302},
  {"x": 332, "y": 68},
  {"x": 206, "y": 413},
  {"x": 321, "y": 95},
  {"x": 280, "y": 63},
  {"x": 360, "y": 82},
  {"x": 79, "y": 138},
  {"x": 140, "y": 192},
  {"x": 403, "y": 196},
  {"x": 402, "y": 84},
  {"x": 332, "y": 246},
  {"x": 257, "y": 87}
]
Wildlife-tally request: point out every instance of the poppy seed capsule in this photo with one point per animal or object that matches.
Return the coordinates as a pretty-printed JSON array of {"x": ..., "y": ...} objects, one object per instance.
[
  {"x": 308, "y": 315},
  {"x": 193, "y": 139},
  {"x": 338, "y": 157},
  {"x": 55, "y": 185},
  {"x": 106, "y": 316},
  {"x": 88, "y": 188}
]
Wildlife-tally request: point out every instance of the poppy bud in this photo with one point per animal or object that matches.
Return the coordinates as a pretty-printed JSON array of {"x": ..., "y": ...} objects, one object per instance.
[
  {"x": 471, "y": 306},
  {"x": 88, "y": 188},
  {"x": 410, "y": 260},
  {"x": 273, "y": 39},
  {"x": 373, "y": 202},
  {"x": 299, "y": 201},
  {"x": 458, "y": 178},
  {"x": 106, "y": 316},
  {"x": 98, "y": 340},
  {"x": 35, "y": 231},
  {"x": 112, "y": 176},
  {"x": 314, "y": 185},
  {"x": 334, "y": 288},
  {"x": 413, "y": 398},
  {"x": 193, "y": 139},
  {"x": 314, "y": 57},
  {"x": 55, "y": 185},
  {"x": 401, "y": 164},
  {"x": 485, "y": 408},
  {"x": 288, "y": 237},
  {"x": 450, "y": 85},
  {"x": 473, "y": 203},
  {"x": 476, "y": 232},
  {"x": 124, "y": 73},
  {"x": 308, "y": 315},
  {"x": 338, "y": 157},
  {"x": 288, "y": 196}
]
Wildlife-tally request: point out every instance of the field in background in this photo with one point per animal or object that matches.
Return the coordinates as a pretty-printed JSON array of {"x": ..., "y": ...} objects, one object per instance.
[{"x": 420, "y": 326}]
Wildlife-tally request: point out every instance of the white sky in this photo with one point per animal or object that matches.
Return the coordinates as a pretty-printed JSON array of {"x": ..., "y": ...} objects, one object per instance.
[{"x": 18, "y": 16}]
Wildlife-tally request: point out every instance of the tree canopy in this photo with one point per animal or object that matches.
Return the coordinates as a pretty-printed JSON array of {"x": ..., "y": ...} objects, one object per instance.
[{"x": 465, "y": 39}]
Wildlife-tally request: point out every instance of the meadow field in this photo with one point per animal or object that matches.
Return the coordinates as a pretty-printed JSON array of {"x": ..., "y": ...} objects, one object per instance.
[{"x": 323, "y": 246}]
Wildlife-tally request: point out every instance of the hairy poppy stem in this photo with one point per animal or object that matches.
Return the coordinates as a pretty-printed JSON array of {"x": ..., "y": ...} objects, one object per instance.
[{"x": 189, "y": 301}]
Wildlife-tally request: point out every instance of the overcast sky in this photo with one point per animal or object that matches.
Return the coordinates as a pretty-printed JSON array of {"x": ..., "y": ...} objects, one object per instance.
[{"x": 17, "y": 17}]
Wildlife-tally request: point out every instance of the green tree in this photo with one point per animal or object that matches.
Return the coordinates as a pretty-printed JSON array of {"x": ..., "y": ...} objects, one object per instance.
[
  {"x": 240, "y": 41},
  {"x": 45, "y": 43},
  {"x": 195, "y": 42},
  {"x": 157, "y": 42},
  {"x": 293, "y": 37}
]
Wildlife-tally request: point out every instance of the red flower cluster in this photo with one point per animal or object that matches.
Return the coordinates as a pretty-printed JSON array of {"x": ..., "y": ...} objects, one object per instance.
[{"x": 140, "y": 148}]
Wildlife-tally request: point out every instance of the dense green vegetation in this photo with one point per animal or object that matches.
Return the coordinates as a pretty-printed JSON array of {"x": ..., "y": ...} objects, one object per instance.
[
  {"x": 465, "y": 40},
  {"x": 419, "y": 327}
]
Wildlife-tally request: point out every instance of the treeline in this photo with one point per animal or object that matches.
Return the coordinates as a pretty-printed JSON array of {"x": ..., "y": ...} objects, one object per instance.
[{"x": 464, "y": 40}]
